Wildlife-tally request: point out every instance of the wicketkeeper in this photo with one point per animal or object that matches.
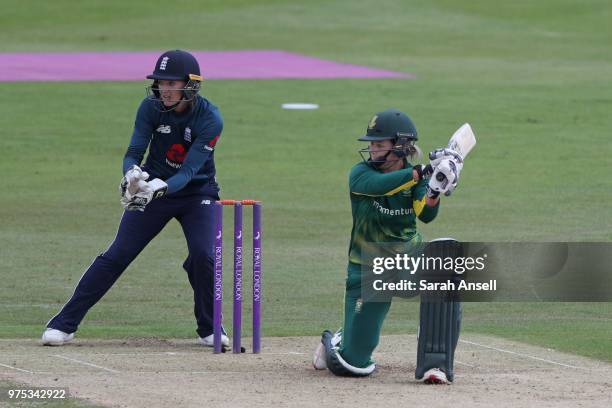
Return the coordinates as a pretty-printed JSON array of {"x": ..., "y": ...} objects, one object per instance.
[
  {"x": 180, "y": 129},
  {"x": 388, "y": 194}
]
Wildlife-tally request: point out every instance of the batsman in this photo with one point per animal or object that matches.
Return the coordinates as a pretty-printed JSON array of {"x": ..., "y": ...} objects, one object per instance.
[{"x": 388, "y": 194}]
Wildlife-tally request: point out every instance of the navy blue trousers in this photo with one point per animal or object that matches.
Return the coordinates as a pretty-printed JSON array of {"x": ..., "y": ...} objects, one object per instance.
[{"x": 195, "y": 213}]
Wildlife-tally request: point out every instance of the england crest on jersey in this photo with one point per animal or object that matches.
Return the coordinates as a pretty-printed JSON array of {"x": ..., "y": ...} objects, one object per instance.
[{"x": 188, "y": 134}]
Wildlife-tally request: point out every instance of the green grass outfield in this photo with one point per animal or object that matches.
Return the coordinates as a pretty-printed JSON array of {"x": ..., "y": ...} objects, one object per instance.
[{"x": 533, "y": 79}]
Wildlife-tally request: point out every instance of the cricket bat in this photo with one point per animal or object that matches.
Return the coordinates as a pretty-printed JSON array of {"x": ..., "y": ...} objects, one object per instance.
[
  {"x": 463, "y": 140},
  {"x": 459, "y": 146}
]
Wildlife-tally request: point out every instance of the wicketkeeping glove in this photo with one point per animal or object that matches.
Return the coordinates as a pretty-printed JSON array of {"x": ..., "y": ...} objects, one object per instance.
[
  {"x": 148, "y": 191},
  {"x": 137, "y": 186},
  {"x": 130, "y": 182}
]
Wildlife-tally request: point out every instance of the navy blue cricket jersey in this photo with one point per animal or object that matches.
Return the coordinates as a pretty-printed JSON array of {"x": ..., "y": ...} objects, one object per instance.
[{"x": 181, "y": 145}]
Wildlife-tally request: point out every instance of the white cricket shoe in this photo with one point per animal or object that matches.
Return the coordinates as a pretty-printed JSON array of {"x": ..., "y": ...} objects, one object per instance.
[
  {"x": 435, "y": 376},
  {"x": 319, "y": 359},
  {"x": 54, "y": 337},
  {"x": 209, "y": 341}
]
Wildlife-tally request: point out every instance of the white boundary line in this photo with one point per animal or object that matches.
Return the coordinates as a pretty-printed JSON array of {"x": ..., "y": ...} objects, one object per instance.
[
  {"x": 523, "y": 355},
  {"x": 110, "y": 370},
  {"x": 18, "y": 369}
]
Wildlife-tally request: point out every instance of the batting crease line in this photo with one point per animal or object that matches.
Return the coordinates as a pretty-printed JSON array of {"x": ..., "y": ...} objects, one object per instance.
[
  {"x": 295, "y": 353},
  {"x": 412, "y": 352},
  {"x": 170, "y": 354},
  {"x": 18, "y": 369},
  {"x": 523, "y": 355},
  {"x": 212, "y": 372},
  {"x": 465, "y": 364},
  {"x": 85, "y": 363}
]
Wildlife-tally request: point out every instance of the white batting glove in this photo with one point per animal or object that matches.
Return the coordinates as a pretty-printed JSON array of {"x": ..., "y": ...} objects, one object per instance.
[
  {"x": 444, "y": 178},
  {"x": 436, "y": 156}
]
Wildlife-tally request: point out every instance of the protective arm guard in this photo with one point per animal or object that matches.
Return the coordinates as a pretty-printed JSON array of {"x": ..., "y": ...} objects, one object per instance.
[
  {"x": 337, "y": 365},
  {"x": 440, "y": 319}
]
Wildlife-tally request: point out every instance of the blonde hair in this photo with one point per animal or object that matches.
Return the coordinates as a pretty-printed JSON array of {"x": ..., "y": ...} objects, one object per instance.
[{"x": 415, "y": 154}]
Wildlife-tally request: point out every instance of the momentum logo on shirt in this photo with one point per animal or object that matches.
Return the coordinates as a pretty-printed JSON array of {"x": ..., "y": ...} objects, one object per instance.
[
  {"x": 164, "y": 129},
  {"x": 386, "y": 211}
]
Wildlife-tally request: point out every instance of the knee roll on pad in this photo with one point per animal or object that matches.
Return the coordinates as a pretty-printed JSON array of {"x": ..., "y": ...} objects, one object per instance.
[
  {"x": 439, "y": 321},
  {"x": 337, "y": 365}
]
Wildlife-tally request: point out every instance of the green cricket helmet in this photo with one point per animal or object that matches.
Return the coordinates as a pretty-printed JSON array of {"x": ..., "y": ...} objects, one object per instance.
[{"x": 394, "y": 125}]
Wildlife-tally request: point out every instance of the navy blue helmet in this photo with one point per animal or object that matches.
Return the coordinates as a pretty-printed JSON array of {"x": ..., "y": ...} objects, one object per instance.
[{"x": 176, "y": 65}]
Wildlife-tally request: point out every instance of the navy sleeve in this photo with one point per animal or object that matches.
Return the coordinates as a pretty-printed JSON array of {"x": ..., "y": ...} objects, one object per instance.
[
  {"x": 204, "y": 144},
  {"x": 141, "y": 137}
]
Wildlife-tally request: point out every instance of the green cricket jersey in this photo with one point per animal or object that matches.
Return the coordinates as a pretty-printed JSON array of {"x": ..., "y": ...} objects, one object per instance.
[{"x": 385, "y": 207}]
